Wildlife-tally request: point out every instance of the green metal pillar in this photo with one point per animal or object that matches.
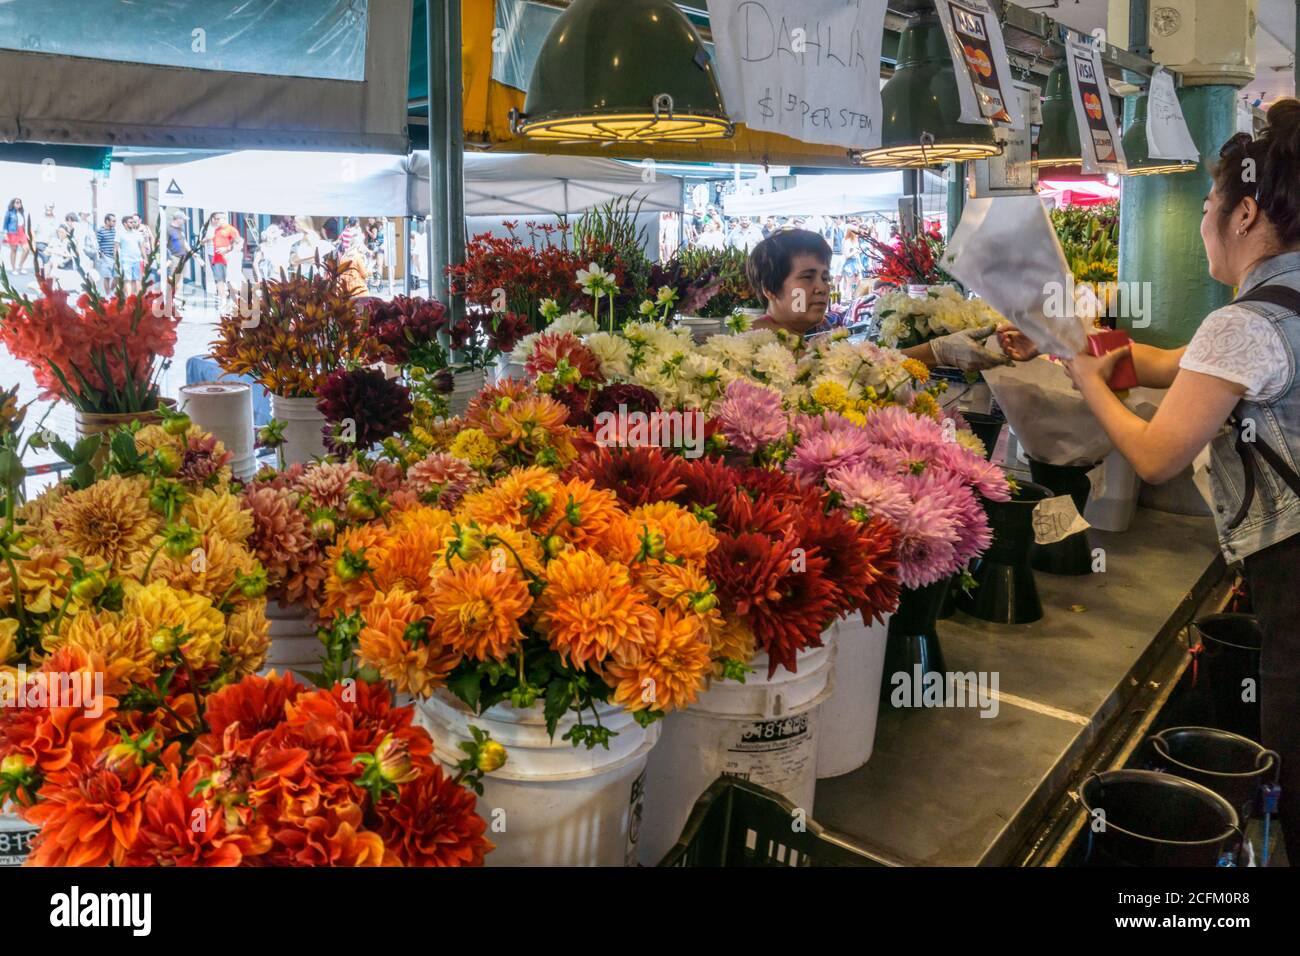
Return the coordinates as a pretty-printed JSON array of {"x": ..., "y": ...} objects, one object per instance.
[
  {"x": 1159, "y": 227},
  {"x": 436, "y": 37},
  {"x": 956, "y": 196}
]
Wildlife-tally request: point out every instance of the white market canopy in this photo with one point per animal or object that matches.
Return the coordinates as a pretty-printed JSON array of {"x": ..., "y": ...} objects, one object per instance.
[
  {"x": 846, "y": 195},
  {"x": 366, "y": 184}
]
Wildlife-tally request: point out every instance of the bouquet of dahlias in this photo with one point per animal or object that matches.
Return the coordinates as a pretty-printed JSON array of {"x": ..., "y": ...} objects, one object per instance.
[
  {"x": 259, "y": 772},
  {"x": 906, "y": 321},
  {"x": 786, "y": 563},
  {"x": 295, "y": 332},
  {"x": 535, "y": 589},
  {"x": 99, "y": 353},
  {"x": 923, "y": 476}
]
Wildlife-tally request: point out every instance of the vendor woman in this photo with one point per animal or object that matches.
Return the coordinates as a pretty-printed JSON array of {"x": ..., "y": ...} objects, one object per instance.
[
  {"x": 1235, "y": 387},
  {"x": 791, "y": 271}
]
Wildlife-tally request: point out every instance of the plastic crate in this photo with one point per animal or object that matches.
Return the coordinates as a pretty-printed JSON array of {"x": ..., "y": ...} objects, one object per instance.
[{"x": 738, "y": 823}]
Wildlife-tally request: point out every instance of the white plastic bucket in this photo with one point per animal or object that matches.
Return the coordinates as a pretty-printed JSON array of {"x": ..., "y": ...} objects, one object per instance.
[
  {"x": 294, "y": 645},
  {"x": 764, "y": 731},
  {"x": 465, "y": 386},
  {"x": 1114, "y": 508},
  {"x": 16, "y": 837},
  {"x": 848, "y": 716},
  {"x": 701, "y": 327},
  {"x": 552, "y": 804},
  {"x": 224, "y": 410},
  {"x": 304, "y": 428},
  {"x": 506, "y": 369}
]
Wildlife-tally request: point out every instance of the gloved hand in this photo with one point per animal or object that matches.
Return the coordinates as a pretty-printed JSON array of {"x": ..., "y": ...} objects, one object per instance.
[{"x": 969, "y": 351}]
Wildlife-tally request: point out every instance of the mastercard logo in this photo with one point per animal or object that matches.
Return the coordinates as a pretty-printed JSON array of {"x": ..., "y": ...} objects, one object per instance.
[
  {"x": 1092, "y": 103},
  {"x": 978, "y": 61}
]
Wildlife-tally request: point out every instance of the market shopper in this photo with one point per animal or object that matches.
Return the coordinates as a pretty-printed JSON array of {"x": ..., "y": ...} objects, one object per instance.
[
  {"x": 1235, "y": 387},
  {"x": 16, "y": 236},
  {"x": 791, "y": 271},
  {"x": 223, "y": 247},
  {"x": 106, "y": 262}
]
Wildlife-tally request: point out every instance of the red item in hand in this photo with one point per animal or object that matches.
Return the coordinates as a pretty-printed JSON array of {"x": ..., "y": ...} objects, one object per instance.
[{"x": 1124, "y": 375}]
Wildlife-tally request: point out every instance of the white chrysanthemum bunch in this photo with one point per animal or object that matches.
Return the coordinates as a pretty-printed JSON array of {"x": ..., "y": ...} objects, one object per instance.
[{"x": 943, "y": 310}]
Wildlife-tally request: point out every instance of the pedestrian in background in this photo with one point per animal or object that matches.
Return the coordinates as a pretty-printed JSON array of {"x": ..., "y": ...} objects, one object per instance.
[{"x": 16, "y": 236}]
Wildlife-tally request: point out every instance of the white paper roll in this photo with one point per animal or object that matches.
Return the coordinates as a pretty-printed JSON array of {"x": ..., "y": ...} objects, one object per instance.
[{"x": 225, "y": 409}]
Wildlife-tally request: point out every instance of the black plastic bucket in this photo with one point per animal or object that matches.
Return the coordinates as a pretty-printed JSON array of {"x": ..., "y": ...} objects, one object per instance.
[
  {"x": 1005, "y": 592},
  {"x": 987, "y": 428},
  {"x": 1229, "y": 764},
  {"x": 1155, "y": 819},
  {"x": 1228, "y": 657},
  {"x": 1072, "y": 555}
]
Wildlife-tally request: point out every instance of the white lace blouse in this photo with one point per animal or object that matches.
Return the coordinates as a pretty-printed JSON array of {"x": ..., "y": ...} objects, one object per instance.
[{"x": 1242, "y": 346}]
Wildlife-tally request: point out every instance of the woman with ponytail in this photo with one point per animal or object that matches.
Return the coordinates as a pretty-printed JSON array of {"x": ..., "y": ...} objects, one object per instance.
[{"x": 1236, "y": 387}]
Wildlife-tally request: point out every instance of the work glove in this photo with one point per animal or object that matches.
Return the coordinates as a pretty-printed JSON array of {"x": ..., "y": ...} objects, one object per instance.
[{"x": 969, "y": 351}]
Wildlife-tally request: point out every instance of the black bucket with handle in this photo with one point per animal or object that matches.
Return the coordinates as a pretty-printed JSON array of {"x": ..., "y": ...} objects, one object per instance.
[
  {"x": 1232, "y": 766},
  {"x": 1227, "y": 663},
  {"x": 1145, "y": 818}
]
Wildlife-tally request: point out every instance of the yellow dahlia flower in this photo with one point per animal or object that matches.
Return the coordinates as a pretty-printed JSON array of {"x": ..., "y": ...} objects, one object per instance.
[
  {"x": 247, "y": 638},
  {"x": 121, "y": 639},
  {"x": 111, "y": 519},
  {"x": 220, "y": 513},
  {"x": 8, "y": 639},
  {"x": 473, "y": 446},
  {"x": 42, "y": 581},
  {"x": 202, "y": 628}
]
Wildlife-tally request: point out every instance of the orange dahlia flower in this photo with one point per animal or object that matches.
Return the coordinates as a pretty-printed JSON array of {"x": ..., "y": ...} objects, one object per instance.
[
  {"x": 522, "y": 499},
  {"x": 397, "y": 641},
  {"x": 673, "y": 664},
  {"x": 52, "y": 738},
  {"x": 90, "y": 814},
  {"x": 169, "y": 836},
  {"x": 591, "y": 610},
  {"x": 477, "y": 610},
  {"x": 431, "y": 822}
]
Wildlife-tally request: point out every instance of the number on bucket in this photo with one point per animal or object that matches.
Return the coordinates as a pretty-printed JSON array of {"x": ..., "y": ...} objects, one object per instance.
[
  {"x": 15, "y": 845},
  {"x": 636, "y": 810}
]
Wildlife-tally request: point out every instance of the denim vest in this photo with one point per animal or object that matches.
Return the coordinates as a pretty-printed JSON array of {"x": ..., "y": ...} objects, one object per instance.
[{"x": 1274, "y": 513}]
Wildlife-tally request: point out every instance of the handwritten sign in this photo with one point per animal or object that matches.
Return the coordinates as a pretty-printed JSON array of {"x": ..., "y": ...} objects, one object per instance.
[
  {"x": 1055, "y": 519},
  {"x": 1098, "y": 134},
  {"x": 1167, "y": 135},
  {"x": 809, "y": 69},
  {"x": 983, "y": 70}
]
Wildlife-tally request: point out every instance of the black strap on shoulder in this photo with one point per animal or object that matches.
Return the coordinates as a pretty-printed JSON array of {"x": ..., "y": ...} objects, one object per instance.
[
  {"x": 1281, "y": 296},
  {"x": 1285, "y": 298}
]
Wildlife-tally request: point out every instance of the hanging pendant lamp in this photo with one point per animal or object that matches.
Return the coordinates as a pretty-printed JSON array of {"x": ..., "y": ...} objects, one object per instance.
[
  {"x": 1137, "y": 150},
  {"x": 921, "y": 106},
  {"x": 1058, "y": 138},
  {"x": 623, "y": 70}
]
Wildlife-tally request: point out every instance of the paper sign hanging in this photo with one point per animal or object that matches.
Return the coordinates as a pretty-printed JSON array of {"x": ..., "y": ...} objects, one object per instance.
[
  {"x": 1055, "y": 519},
  {"x": 1167, "y": 134},
  {"x": 1245, "y": 117},
  {"x": 1098, "y": 134},
  {"x": 984, "y": 83},
  {"x": 808, "y": 69}
]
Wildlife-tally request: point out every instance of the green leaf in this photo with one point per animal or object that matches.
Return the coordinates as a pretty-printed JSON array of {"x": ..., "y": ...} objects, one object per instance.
[
  {"x": 559, "y": 696},
  {"x": 123, "y": 448},
  {"x": 467, "y": 686}
]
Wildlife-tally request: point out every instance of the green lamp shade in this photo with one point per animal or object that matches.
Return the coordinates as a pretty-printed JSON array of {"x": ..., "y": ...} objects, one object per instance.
[
  {"x": 1137, "y": 153},
  {"x": 921, "y": 106},
  {"x": 629, "y": 70},
  {"x": 1058, "y": 138}
]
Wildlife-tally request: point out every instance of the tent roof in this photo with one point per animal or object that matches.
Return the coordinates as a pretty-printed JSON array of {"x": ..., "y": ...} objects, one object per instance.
[
  {"x": 850, "y": 194},
  {"x": 368, "y": 184}
]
